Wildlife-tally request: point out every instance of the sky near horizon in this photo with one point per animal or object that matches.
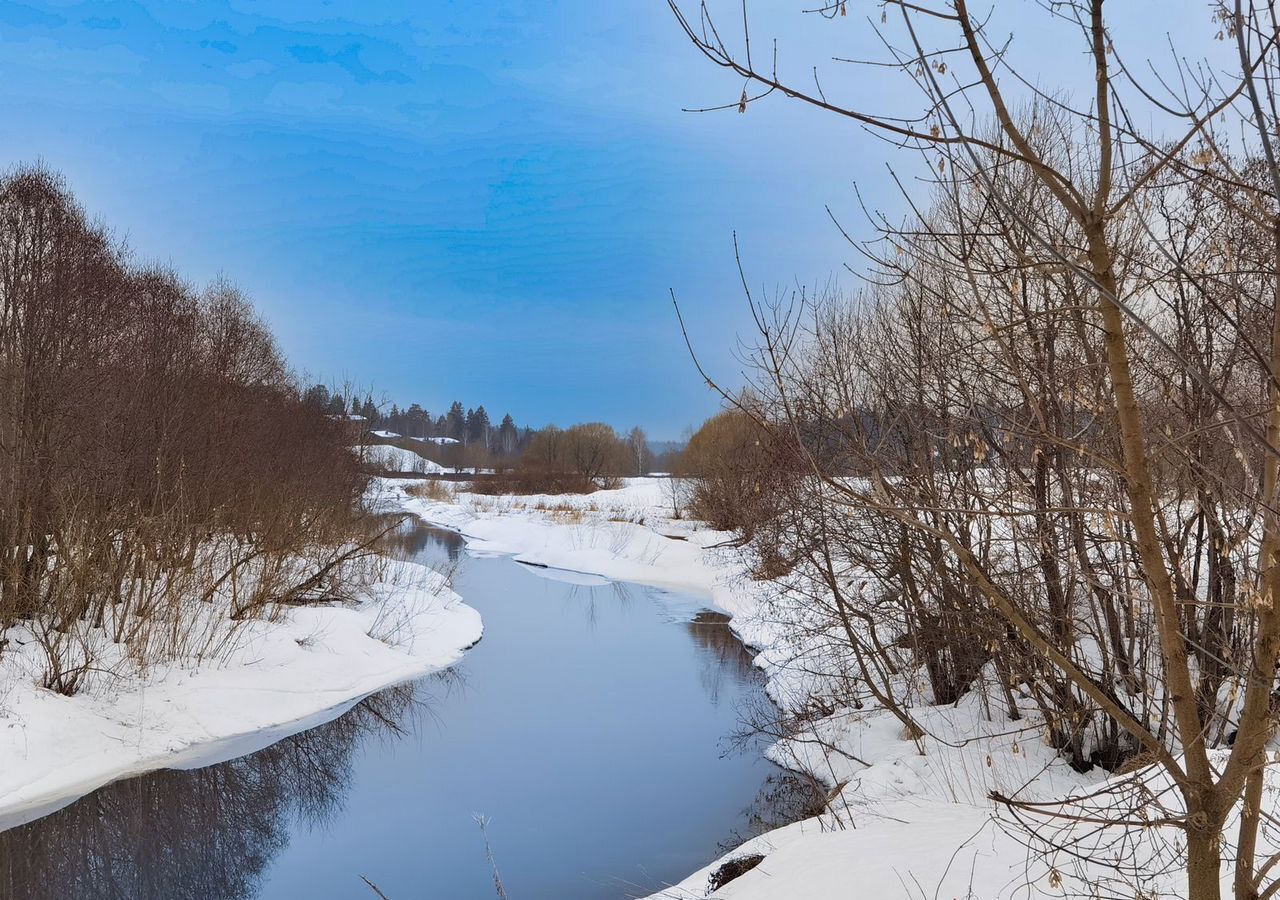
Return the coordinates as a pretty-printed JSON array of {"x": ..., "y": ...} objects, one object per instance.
[{"x": 454, "y": 200}]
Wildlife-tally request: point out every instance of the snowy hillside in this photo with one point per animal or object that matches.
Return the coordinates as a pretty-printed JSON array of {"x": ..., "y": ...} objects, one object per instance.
[{"x": 397, "y": 459}]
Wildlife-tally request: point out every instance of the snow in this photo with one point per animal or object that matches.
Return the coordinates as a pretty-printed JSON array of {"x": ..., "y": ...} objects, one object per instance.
[
  {"x": 384, "y": 434},
  {"x": 911, "y": 823},
  {"x": 606, "y": 534},
  {"x": 397, "y": 459},
  {"x": 906, "y": 817},
  {"x": 277, "y": 678}
]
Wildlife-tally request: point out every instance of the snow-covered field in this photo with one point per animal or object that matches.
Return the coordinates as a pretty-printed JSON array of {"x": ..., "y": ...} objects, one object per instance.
[
  {"x": 276, "y": 678},
  {"x": 906, "y": 818}
]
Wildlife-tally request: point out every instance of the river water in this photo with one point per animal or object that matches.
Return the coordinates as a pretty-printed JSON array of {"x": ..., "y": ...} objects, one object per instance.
[{"x": 592, "y": 729}]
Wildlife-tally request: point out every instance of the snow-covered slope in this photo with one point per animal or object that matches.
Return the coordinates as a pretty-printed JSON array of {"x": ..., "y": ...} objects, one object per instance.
[{"x": 397, "y": 459}]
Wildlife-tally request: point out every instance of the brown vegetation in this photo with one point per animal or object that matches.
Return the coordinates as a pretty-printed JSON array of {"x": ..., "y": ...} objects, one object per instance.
[
  {"x": 154, "y": 451},
  {"x": 1045, "y": 443},
  {"x": 575, "y": 460},
  {"x": 431, "y": 489},
  {"x": 736, "y": 465}
]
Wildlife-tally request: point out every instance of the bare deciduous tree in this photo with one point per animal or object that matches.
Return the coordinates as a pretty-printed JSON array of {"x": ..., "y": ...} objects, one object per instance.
[
  {"x": 155, "y": 453},
  {"x": 1051, "y": 428}
]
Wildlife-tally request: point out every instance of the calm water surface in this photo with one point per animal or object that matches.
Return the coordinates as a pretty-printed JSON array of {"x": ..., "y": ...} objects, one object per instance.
[{"x": 591, "y": 726}]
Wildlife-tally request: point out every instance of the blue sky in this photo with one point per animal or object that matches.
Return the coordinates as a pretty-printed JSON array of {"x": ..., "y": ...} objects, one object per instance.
[{"x": 482, "y": 201}]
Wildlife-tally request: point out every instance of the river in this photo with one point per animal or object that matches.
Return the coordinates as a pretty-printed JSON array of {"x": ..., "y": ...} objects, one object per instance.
[{"x": 592, "y": 728}]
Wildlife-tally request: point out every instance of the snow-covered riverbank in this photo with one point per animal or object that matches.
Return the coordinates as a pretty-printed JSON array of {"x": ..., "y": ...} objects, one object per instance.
[
  {"x": 907, "y": 818},
  {"x": 275, "y": 679},
  {"x": 622, "y": 535}
]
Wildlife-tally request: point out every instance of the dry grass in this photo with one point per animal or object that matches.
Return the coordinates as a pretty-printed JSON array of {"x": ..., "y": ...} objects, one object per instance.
[{"x": 431, "y": 489}]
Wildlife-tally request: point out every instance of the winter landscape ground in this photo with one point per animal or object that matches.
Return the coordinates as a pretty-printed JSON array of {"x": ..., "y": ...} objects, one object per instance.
[
  {"x": 907, "y": 817},
  {"x": 271, "y": 679},
  {"x": 916, "y": 361}
]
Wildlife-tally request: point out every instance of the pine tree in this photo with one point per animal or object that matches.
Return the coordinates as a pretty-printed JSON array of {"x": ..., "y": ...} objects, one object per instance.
[
  {"x": 478, "y": 426},
  {"x": 318, "y": 396},
  {"x": 416, "y": 421},
  {"x": 456, "y": 422},
  {"x": 508, "y": 436}
]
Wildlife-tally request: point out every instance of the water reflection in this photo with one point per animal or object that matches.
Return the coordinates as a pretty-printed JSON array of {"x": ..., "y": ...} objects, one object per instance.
[
  {"x": 726, "y": 660},
  {"x": 203, "y": 834},
  {"x": 422, "y": 543},
  {"x": 592, "y": 727}
]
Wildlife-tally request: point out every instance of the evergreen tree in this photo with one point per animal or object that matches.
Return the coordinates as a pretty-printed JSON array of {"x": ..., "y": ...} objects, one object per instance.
[
  {"x": 478, "y": 426},
  {"x": 508, "y": 436},
  {"x": 456, "y": 422},
  {"x": 416, "y": 421}
]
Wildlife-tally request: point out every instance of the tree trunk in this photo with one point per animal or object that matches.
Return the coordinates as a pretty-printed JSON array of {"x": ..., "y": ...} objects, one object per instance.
[
  {"x": 1204, "y": 864},
  {"x": 1247, "y": 843}
]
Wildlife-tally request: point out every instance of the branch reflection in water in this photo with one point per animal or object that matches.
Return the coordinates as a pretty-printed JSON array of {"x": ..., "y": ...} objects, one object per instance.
[
  {"x": 202, "y": 834},
  {"x": 578, "y": 679}
]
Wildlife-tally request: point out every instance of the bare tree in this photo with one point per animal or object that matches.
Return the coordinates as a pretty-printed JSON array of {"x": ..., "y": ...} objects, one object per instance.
[
  {"x": 1060, "y": 402},
  {"x": 638, "y": 443},
  {"x": 155, "y": 453}
]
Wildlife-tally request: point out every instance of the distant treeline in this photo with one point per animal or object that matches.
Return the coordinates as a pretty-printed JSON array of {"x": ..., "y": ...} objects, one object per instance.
[
  {"x": 466, "y": 426},
  {"x": 580, "y": 457}
]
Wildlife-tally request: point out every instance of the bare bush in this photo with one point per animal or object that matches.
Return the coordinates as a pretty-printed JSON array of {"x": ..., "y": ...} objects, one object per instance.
[
  {"x": 1045, "y": 441},
  {"x": 155, "y": 455},
  {"x": 735, "y": 464},
  {"x": 589, "y": 455}
]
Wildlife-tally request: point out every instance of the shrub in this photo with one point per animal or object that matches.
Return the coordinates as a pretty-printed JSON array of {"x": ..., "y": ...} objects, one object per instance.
[
  {"x": 532, "y": 481},
  {"x": 734, "y": 868},
  {"x": 431, "y": 489},
  {"x": 573, "y": 460},
  {"x": 737, "y": 467}
]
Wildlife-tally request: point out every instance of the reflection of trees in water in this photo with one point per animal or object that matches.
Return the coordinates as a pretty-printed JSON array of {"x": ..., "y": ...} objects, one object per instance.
[
  {"x": 587, "y": 598},
  {"x": 204, "y": 834},
  {"x": 712, "y": 633},
  {"x": 413, "y": 540},
  {"x": 722, "y": 653},
  {"x": 785, "y": 797}
]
